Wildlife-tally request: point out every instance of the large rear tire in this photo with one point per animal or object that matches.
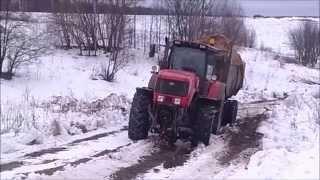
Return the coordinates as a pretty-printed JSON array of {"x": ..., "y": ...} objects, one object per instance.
[
  {"x": 206, "y": 116},
  {"x": 139, "y": 123},
  {"x": 230, "y": 111}
]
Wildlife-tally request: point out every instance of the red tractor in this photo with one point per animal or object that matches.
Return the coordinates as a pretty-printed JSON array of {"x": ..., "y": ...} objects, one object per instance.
[{"x": 188, "y": 97}]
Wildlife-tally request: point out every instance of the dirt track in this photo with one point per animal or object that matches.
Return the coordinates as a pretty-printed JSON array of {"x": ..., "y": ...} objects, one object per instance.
[
  {"x": 247, "y": 137},
  {"x": 249, "y": 118},
  {"x": 168, "y": 156}
]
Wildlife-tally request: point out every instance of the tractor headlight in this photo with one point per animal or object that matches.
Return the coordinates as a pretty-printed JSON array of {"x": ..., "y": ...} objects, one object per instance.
[
  {"x": 177, "y": 101},
  {"x": 160, "y": 98}
]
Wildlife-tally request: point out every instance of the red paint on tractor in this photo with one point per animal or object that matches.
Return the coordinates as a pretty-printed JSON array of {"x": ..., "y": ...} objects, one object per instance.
[
  {"x": 178, "y": 75},
  {"x": 215, "y": 90}
]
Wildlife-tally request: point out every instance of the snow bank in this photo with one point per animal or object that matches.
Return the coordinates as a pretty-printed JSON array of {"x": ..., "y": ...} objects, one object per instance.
[
  {"x": 268, "y": 77},
  {"x": 290, "y": 143},
  {"x": 59, "y": 118},
  {"x": 64, "y": 73},
  {"x": 290, "y": 146},
  {"x": 271, "y": 33}
]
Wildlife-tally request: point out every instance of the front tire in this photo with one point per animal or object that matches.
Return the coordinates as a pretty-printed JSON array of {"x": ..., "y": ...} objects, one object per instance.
[
  {"x": 139, "y": 123},
  {"x": 206, "y": 116}
]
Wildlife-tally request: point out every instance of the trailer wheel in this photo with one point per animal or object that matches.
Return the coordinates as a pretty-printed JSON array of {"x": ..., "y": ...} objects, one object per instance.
[
  {"x": 206, "y": 116},
  {"x": 230, "y": 111},
  {"x": 139, "y": 118}
]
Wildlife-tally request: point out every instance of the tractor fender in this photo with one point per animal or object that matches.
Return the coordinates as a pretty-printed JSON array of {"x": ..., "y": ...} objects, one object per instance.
[
  {"x": 145, "y": 91},
  {"x": 216, "y": 91}
]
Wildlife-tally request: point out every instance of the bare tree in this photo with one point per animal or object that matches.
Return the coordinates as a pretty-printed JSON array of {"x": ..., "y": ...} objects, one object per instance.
[
  {"x": 90, "y": 31},
  {"x": 191, "y": 20},
  {"x": 26, "y": 48},
  {"x": 117, "y": 40},
  {"x": 305, "y": 41},
  {"x": 186, "y": 19},
  {"x": 61, "y": 23},
  {"x": 228, "y": 20},
  {"x": 7, "y": 30},
  {"x": 77, "y": 28},
  {"x": 4, "y": 32},
  {"x": 17, "y": 45}
]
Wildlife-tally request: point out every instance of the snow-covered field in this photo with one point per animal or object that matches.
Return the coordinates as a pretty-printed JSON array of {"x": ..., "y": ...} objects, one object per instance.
[{"x": 58, "y": 123}]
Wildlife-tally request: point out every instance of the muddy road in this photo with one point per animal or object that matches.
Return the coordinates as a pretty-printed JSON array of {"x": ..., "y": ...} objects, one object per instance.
[{"x": 115, "y": 147}]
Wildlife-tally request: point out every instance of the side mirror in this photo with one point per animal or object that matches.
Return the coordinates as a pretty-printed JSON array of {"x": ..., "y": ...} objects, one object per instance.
[
  {"x": 214, "y": 77},
  {"x": 155, "y": 69}
]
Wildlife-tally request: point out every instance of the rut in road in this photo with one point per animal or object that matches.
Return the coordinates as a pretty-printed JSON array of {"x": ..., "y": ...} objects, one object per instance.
[
  {"x": 239, "y": 142},
  {"x": 246, "y": 141},
  {"x": 246, "y": 138},
  {"x": 51, "y": 171},
  {"x": 16, "y": 164},
  {"x": 73, "y": 143},
  {"x": 168, "y": 156}
]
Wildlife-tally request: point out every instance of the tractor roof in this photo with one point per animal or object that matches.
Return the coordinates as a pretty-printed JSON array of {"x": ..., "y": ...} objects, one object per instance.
[{"x": 216, "y": 43}]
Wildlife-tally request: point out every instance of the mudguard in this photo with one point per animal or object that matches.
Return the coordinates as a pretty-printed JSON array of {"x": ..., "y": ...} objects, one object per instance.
[{"x": 144, "y": 90}]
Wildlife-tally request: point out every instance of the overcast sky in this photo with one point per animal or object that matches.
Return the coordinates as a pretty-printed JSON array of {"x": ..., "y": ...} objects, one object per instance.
[
  {"x": 274, "y": 7},
  {"x": 281, "y": 7}
]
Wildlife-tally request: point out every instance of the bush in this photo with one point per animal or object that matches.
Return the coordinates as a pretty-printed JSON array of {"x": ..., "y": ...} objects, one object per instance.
[{"x": 305, "y": 42}]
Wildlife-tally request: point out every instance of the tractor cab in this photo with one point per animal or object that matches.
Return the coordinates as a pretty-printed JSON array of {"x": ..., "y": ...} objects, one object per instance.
[
  {"x": 199, "y": 58},
  {"x": 191, "y": 68}
]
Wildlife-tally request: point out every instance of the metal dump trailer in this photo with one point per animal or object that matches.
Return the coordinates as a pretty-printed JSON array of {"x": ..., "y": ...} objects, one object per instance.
[{"x": 232, "y": 69}]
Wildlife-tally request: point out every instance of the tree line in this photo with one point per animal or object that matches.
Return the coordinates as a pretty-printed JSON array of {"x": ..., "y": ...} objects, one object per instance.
[
  {"x": 81, "y": 25},
  {"x": 53, "y": 6},
  {"x": 114, "y": 32}
]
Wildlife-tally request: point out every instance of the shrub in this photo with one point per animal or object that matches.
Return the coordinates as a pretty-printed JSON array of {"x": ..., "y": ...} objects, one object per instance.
[{"x": 305, "y": 41}]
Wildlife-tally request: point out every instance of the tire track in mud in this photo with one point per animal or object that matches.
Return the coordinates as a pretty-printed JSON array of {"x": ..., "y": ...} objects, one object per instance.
[
  {"x": 10, "y": 166},
  {"x": 246, "y": 138},
  {"x": 246, "y": 141},
  {"x": 73, "y": 143},
  {"x": 168, "y": 156},
  {"x": 51, "y": 171},
  {"x": 16, "y": 164},
  {"x": 61, "y": 167}
]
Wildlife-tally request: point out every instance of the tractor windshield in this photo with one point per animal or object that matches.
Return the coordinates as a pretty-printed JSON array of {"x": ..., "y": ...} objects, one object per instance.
[{"x": 189, "y": 59}]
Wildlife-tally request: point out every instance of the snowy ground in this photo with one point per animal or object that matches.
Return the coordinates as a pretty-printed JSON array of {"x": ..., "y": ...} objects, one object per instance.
[{"x": 56, "y": 122}]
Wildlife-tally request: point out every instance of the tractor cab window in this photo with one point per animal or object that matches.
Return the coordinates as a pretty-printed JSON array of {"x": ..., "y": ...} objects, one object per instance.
[
  {"x": 189, "y": 59},
  {"x": 214, "y": 66}
]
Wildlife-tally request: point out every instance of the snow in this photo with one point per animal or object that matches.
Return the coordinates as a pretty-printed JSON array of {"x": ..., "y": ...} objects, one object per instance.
[
  {"x": 290, "y": 143},
  {"x": 58, "y": 94},
  {"x": 102, "y": 167},
  {"x": 272, "y": 32},
  {"x": 291, "y": 133},
  {"x": 65, "y": 73}
]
